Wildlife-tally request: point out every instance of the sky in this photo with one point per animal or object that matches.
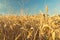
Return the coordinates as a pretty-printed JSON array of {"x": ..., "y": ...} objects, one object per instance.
[{"x": 29, "y": 6}]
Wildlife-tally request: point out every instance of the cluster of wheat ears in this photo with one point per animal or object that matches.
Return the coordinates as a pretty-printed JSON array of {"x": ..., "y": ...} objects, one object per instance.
[{"x": 32, "y": 27}]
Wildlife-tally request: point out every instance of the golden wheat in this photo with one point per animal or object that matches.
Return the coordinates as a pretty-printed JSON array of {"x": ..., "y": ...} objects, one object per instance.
[{"x": 33, "y": 27}]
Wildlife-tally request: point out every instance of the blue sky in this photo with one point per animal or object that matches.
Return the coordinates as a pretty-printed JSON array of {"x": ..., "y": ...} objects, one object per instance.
[{"x": 30, "y": 6}]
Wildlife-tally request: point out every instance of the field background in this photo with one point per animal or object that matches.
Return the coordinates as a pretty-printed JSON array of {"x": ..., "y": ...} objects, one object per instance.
[
  {"x": 33, "y": 27},
  {"x": 29, "y": 19}
]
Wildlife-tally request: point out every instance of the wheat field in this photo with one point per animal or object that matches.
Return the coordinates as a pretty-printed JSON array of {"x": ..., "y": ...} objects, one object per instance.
[{"x": 32, "y": 27}]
